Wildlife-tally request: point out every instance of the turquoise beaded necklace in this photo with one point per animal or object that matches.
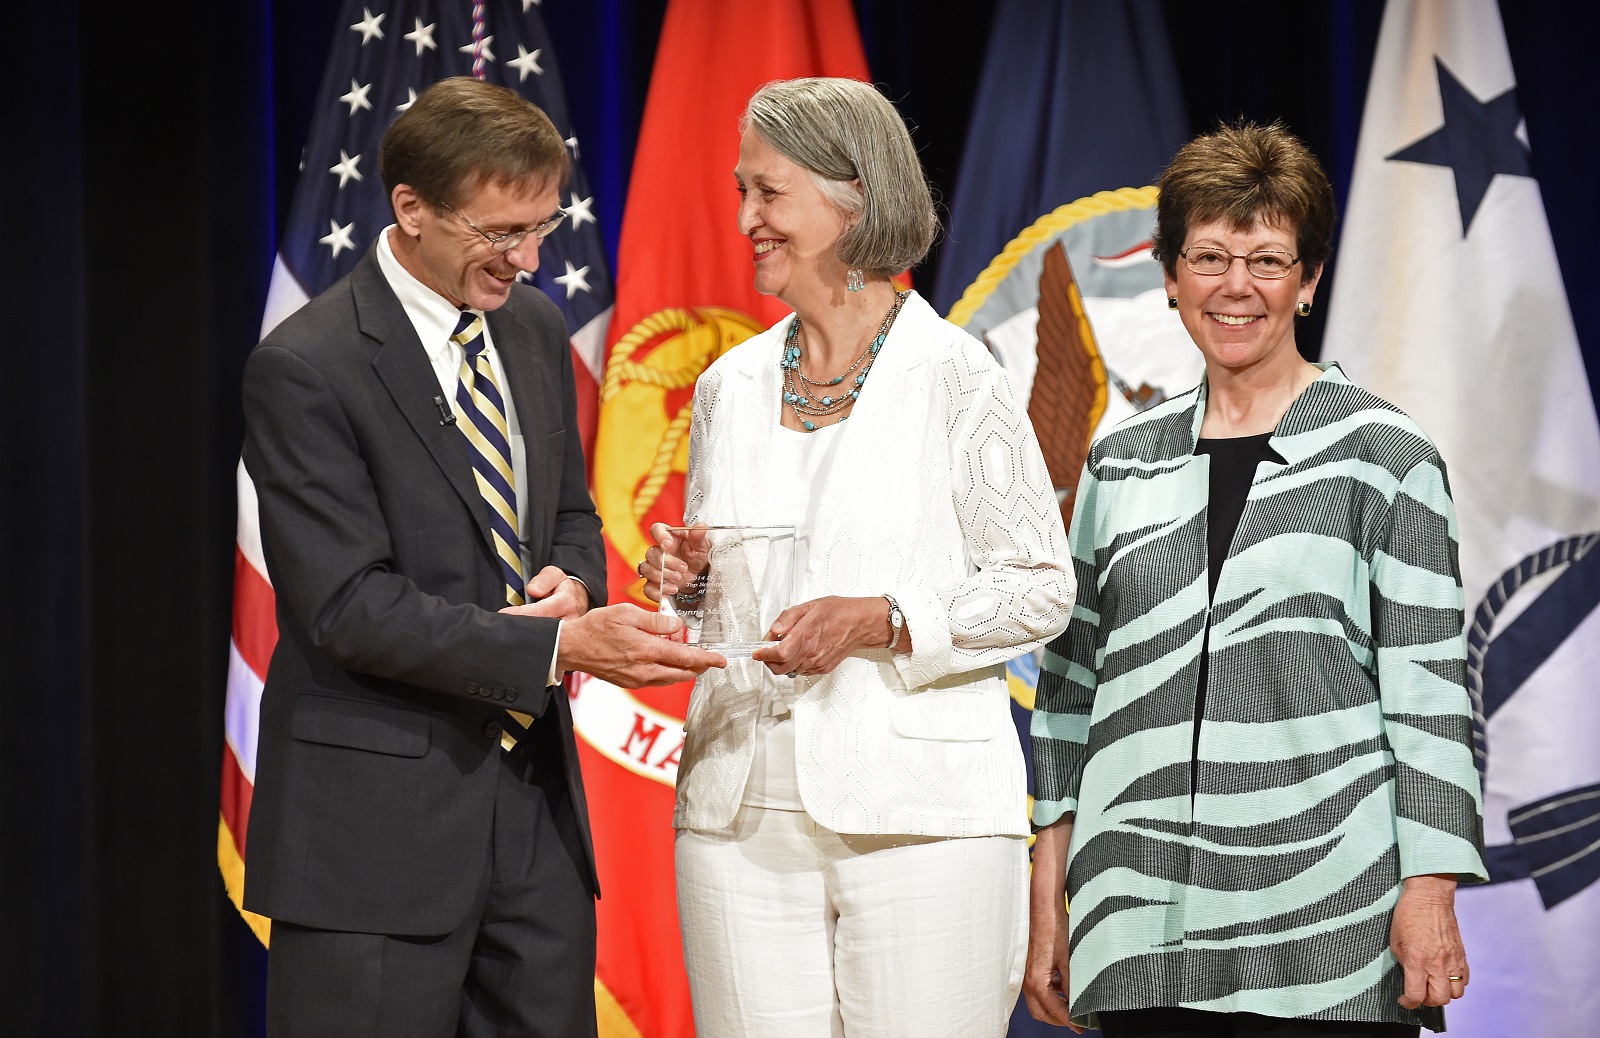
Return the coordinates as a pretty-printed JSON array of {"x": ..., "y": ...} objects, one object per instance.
[{"x": 808, "y": 399}]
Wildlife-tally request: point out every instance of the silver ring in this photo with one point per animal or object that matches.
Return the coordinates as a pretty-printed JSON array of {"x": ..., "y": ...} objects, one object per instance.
[{"x": 639, "y": 569}]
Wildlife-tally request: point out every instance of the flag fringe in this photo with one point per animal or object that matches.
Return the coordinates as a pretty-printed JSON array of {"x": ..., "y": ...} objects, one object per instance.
[
  {"x": 613, "y": 1019},
  {"x": 232, "y": 868}
]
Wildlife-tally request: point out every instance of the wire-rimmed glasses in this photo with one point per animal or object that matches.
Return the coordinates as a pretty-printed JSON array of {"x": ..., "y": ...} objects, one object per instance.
[
  {"x": 511, "y": 239},
  {"x": 1267, "y": 264}
]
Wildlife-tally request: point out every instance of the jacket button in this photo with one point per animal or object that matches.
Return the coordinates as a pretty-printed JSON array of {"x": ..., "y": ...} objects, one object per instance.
[
  {"x": 472, "y": 688},
  {"x": 492, "y": 729},
  {"x": 511, "y": 694}
]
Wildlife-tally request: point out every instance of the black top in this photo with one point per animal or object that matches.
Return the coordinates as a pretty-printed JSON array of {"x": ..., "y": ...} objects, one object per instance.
[{"x": 1233, "y": 469}]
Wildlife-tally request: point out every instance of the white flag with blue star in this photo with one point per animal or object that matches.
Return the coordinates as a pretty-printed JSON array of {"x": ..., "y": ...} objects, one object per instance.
[{"x": 1448, "y": 302}]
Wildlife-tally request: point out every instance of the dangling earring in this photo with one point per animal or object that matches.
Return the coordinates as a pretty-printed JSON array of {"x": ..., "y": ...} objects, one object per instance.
[
  {"x": 1303, "y": 308},
  {"x": 855, "y": 280},
  {"x": 1172, "y": 302}
]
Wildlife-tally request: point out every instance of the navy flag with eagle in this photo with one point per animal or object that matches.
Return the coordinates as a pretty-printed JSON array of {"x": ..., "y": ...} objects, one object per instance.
[{"x": 1048, "y": 254}]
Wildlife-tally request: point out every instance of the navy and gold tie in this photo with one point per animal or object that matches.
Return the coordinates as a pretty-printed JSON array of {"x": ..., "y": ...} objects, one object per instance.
[{"x": 483, "y": 420}]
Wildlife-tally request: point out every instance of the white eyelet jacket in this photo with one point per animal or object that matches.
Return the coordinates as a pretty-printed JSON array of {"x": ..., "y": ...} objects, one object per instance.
[{"x": 939, "y": 496}]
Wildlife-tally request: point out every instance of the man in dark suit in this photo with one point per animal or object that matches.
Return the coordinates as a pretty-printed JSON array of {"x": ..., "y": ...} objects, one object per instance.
[{"x": 419, "y": 835}]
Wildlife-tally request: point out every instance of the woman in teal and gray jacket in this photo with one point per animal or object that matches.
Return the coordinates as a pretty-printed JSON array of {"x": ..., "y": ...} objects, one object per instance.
[{"x": 1252, "y": 746}]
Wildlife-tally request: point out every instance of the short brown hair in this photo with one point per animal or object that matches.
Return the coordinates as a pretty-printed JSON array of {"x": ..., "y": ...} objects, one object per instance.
[
  {"x": 843, "y": 130},
  {"x": 461, "y": 133},
  {"x": 1244, "y": 172}
]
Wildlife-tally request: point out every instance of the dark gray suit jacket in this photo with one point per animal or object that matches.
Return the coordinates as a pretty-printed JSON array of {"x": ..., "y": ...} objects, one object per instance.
[{"x": 379, "y": 736}]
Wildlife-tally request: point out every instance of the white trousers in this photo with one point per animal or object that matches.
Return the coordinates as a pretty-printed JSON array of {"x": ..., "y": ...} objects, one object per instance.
[{"x": 791, "y": 930}]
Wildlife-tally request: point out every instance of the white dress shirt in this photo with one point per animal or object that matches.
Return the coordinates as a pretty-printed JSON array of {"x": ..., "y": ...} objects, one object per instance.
[{"x": 434, "y": 317}]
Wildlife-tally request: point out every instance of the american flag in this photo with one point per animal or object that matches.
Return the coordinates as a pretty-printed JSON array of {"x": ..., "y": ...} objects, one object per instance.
[{"x": 386, "y": 52}]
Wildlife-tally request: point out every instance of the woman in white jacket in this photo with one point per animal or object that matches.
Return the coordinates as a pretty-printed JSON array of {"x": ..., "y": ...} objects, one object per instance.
[{"x": 852, "y": 855}]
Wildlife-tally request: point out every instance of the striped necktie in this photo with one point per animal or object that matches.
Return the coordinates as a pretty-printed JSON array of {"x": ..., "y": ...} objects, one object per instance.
[{"x": 483, "y": 420}]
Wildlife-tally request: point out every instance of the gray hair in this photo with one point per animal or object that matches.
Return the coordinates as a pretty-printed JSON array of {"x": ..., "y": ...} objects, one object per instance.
[{"x": 858, "y": 151}]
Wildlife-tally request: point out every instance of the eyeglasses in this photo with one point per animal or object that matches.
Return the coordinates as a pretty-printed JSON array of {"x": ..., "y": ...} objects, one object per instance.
[
  {"x": 1268, "y": 264},
  {"x": 511, "y": 239}
]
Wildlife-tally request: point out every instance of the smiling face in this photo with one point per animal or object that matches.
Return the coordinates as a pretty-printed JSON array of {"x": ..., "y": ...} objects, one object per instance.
[
  {"x": 442, "y": 252},
  {"x": 791, "y": 225},
  {"x": 1237, "y": 319}
]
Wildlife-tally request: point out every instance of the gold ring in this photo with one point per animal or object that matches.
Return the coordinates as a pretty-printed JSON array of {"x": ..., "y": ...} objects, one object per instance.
[{"x": 1452, "y": 977}]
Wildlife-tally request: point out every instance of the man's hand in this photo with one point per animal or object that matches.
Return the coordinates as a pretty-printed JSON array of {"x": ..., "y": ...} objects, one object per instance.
[
  {"x": 552, "y": 593},
  {"x": 622, "y": 644},
  {"x": 1424, "y": 938},
  {"x": 1044, "y": 977}
]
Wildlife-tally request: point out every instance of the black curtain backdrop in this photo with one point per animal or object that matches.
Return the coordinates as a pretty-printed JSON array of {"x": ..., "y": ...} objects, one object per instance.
[{"x": 151, "y": 152}]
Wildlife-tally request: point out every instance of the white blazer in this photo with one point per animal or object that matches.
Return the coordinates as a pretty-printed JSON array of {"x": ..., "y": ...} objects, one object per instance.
[{"x": 938, "y": 495}]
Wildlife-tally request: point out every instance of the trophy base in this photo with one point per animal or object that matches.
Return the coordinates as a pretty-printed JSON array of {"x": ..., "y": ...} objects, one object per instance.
[{"x": 733, "y": 650}]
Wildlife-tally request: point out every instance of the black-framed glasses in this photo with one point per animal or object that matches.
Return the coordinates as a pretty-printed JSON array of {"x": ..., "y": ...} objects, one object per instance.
[
  {"x": 511, "y": 239},
  {"x": 1267, "y": 264}
]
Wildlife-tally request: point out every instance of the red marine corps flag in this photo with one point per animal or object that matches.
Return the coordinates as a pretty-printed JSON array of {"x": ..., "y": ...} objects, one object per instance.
[{"x": 685, "y": 295}]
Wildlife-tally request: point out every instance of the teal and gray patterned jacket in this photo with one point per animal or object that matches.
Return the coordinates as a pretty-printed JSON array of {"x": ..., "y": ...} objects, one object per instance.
[{"x": 1335, "y": 752}]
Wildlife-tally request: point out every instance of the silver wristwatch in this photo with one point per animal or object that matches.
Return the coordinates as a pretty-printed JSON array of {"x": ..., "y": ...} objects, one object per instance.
[{"x": 897, "y": 621}]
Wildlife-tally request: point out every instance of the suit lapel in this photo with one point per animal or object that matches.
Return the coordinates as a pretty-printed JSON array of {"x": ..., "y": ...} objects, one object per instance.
[
  {"x": 742, "y": 451},
  {"x": 756, "y": 396},
  {"x": 402, "y": 365},
  {"x": 880, "y": 420},
  {"x": 530, "y": 381},
  {"x": 527, "y": 371},
  {"x": 528, "y": 386}
]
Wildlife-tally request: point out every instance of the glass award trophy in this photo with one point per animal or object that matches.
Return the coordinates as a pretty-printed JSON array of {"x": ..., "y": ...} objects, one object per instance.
[{"x": 740, "y": 579}]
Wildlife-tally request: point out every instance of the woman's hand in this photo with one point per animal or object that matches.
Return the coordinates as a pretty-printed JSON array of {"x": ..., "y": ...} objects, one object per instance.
[
  {"x": 814, "y": 637},
  {"x": 552, "y": 592},
  {"x": 674, "y": 560},
  {"x": 1425, "y": 939},
  {"x": 1044, "y": 978}
]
